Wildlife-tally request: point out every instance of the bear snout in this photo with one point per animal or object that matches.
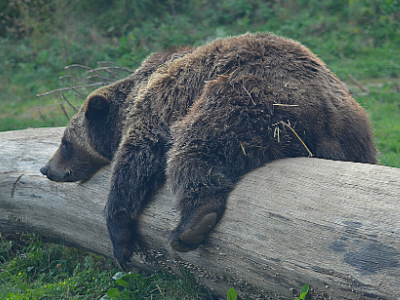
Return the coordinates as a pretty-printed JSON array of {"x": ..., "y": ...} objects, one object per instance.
[
  {"x": 43, "y": 170},
  {"x": 54, "y": 174}
]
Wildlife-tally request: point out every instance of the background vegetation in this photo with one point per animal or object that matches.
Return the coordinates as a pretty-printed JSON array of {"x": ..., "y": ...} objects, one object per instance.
[{"x": 38, "y": 38}]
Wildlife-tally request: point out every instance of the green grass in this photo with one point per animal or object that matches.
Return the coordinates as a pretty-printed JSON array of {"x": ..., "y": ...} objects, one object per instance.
[
  {"x": 158, "y": 286},
  {"x": 30, "y": 269},
  {"x": 9, "y": 123},
  {"x": 383, "y": 106}
]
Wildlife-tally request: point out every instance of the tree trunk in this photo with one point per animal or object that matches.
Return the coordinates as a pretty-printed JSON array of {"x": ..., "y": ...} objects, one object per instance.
[{"x": 335, "y": 225}]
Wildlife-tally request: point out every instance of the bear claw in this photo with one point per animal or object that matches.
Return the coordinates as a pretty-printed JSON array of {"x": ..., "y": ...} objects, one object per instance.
[{"x": 190, "y": 238}]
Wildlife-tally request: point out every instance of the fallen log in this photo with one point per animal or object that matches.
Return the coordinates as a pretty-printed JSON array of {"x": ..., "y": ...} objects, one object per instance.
[{"x": 335, "y": 225}]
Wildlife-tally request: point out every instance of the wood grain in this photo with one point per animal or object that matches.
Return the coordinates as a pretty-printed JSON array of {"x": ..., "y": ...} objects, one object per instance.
[{"x": 335, "y": 225}]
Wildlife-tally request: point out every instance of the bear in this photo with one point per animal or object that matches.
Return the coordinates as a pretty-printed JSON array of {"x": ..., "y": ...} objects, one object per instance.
[{"x": 201, "y": 118}]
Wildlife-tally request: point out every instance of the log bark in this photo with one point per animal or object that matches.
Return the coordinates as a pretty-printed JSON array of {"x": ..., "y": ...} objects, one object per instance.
[{"x": 335, "y": 225}]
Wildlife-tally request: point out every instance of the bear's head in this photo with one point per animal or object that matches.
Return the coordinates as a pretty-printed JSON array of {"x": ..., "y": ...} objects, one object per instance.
[{"x": 86, "y": 145}]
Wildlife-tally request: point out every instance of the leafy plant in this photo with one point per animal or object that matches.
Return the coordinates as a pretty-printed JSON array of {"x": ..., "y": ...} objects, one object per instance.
[
  {"x": 232, "y": 294},
  {"x": 304, "y": 291}
]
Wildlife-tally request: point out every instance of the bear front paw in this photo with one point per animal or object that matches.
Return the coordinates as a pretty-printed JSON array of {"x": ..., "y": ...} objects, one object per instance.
[
  {"x": 123, "y": 251},
  {"x": 123, "y": 240},
  {"x": 184, "y": 240}
]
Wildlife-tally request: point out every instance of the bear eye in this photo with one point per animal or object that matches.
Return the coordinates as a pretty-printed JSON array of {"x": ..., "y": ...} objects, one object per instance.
[
  {"x": 66, "y": 147},
  {"x": 64, "y": 142}
]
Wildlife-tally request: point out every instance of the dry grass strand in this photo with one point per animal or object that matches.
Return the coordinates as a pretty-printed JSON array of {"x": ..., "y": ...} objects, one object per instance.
[{"x": 295, "y": 133}]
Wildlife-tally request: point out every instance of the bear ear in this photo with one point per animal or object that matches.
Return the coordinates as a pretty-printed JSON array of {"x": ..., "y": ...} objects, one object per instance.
[{"x": 97, "y": 108}]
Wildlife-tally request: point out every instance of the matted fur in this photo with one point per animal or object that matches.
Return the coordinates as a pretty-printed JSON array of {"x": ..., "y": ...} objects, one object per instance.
[{"x": 204, "y": 117}]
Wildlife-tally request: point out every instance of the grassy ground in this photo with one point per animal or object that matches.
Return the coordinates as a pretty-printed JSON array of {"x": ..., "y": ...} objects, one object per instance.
[
  {"x": 40, "y": 37},
  {"x": 33, "y": 270},
  {"x": 383, "y": 105},
  {"x": 30, "y": 269}
]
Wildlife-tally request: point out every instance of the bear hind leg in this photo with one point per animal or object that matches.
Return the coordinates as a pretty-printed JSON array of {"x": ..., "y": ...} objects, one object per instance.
[
  {"x": 186, "y": 238},
  {"x": 201, "y": 191}
]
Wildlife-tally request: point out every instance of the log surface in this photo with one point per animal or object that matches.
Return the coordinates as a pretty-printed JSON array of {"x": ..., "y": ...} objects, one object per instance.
[{"x": 335, "y": 225}]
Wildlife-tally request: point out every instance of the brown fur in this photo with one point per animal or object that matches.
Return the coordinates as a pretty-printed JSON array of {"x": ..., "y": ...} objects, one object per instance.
[{"x": 206, "y": 116}]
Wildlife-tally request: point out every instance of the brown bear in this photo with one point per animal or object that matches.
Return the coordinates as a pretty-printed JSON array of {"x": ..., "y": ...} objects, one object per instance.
[{"x": 203, "y": 117}]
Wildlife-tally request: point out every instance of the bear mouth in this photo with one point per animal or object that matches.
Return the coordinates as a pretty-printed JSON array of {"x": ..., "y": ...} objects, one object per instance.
[
  {"x": 66, "y": 176},
  {"x": 57, "y": 176}
]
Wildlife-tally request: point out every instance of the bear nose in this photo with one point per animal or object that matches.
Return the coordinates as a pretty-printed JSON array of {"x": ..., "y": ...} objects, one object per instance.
[{"x": 43, "y": 170}]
